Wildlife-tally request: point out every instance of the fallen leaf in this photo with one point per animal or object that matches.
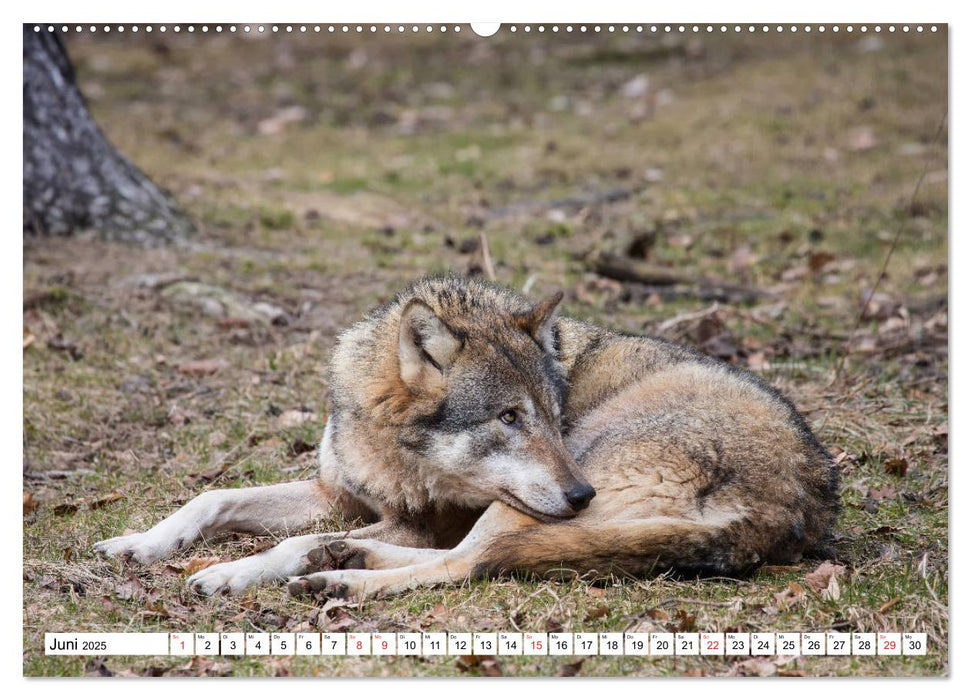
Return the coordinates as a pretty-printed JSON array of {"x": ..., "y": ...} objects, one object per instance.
[
  {"x": 67, "y": 508},
  {"x": 233, "y": 322},
  {"x": 201, "y": 368},
  {"x": 758, "y": 362},
  {"x": 198, "y": 564},
  {"x": 569, "y": 670},
  {"x": 896, "y": 466},
  {"x": 490, "y": 666},
  {"x": 210, "y": 475},
  {"x": 300, "y": 446},
  {"x": 861, "y": 139},
  {"x": 889, "y": 604},
  {"x": 105, "y": 500},
  {"x": 884, "y": 493},
  {"x": 818, "y": 260},
  {"x": 757, "y": 667},
  {"x": 794, "y": 274},
  {"x": 59, "y": 344},
  {"x": 132, "y": 589},
  {"x": 438, "y": 613},
  {"x": 790, "y": 595},
  {"x": 279, "y": 121},
  {"x": 883, "y": 530},
  {"x": 175, "y": 611},
  {"x": 96, "y": 667},
  {"x": 778, "y": 568},
  {"x": 30, "y": 503},
  {"x": 683, "y": 622},
  {"x": 596, "y": 613},
  {"x": 551, "y": 625},
  {"x": 825, "y": 574},
  {"x": 657, "y": 614},
  {"x": 341, "y": 620},
  {"x": 293, "y": 419}
]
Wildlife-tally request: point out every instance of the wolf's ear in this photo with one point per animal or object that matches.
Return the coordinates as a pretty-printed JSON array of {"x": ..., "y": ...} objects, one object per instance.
[
  {"x": 538, "y": 322},
  {"x": 426, "y": 347}
]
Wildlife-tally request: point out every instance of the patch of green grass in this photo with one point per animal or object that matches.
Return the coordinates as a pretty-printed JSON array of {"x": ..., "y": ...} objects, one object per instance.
[{"x": 277, "y": 219}]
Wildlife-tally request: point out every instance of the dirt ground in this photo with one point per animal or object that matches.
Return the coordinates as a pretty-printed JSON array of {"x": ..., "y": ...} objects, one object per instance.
[{"x": 737, "y": 193}]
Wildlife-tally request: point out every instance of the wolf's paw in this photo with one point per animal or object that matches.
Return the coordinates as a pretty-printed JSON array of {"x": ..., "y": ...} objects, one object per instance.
[
  {"x": 339, "y": 554},
  {"x": 228, "y": 578},
  {"x": 322, "y": 585},
  {"x": 140, "y": 547}
]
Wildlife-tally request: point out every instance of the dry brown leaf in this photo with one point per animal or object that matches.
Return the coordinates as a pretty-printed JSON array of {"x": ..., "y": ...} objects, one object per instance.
[
  {"x": 570, "y": 670},
  {"x": 233, "y": 322},
  {"x": 340, "y": 620},
  {"x": 896, "y": 466},
  {"x": 105, "y": 500},
  {"x": 30, "y": 503},
  {"x": 819, "y": 260},
  {"x": 198, "y": 564},
  {"x": 790, "y": 595},
  {"x": 824, "y": 575},
  {"x": 490, "y": 666},
  {"x": 683, "y": 622},
  {"x": 175, "y": 611},
  {"x": 889, "y": 604},
  {"x": 67, "y": 508},
  {"x": 132, "y": 589},
  {"x": 201, "y": 368},
  {"x": 758, "y": 362},
  {"x": 293, "y": 419},
  {"x": 596, "y": 613},
  {"x": 657, "y": 614},
  {"x": 210, "y": 475},
  {"x": 757, "y": 667},
  {"x": 439, "y": 612},
  {"x": 884, "y": 493},
  {"x": 861, "y": 139},
  {"x": 97, "y": 667},
  {"x": 778, "y": 569}
]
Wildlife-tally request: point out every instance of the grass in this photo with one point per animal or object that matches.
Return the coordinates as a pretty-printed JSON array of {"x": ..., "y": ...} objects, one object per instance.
[{"x": 753, "y": 138}]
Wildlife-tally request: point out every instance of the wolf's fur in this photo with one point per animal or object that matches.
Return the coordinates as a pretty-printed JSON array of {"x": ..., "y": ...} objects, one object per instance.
[{"x": 698, "y": 466}]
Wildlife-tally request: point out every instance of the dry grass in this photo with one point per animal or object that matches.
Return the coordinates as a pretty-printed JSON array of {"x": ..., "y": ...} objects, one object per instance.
[{"x": 747, "y": 157}]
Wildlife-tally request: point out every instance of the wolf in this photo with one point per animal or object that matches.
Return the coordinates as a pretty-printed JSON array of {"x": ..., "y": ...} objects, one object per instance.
[{"x": 475, "y": 433}]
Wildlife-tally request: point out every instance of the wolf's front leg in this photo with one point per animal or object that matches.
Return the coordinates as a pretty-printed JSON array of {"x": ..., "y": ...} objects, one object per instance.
[
  {"x": 298, "y": 555},
  {"x": 260, "y": 509},
  {"x": 415, "y": 567},
  {"x": 288, "y": 558}
]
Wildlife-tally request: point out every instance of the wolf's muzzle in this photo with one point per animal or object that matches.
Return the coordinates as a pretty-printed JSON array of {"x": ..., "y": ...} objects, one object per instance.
[{"x": 579, "y": 496}]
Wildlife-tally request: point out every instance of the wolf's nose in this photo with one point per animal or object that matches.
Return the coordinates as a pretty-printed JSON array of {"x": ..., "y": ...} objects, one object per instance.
[{"x": 579, "y": 496}]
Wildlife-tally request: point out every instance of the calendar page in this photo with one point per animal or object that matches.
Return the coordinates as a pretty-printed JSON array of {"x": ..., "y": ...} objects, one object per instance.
[{"x": 675, "y": 402}]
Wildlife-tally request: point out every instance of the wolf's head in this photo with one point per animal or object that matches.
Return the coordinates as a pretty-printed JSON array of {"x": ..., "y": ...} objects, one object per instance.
[{"x": 487, "y": 375}]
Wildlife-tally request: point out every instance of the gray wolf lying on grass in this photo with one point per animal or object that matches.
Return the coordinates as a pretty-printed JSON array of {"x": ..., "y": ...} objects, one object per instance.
[{"x": 479, "y": 433}]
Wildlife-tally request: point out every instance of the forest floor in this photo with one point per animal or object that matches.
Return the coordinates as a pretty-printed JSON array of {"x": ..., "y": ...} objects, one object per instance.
[{"x": 325, "y": 172}]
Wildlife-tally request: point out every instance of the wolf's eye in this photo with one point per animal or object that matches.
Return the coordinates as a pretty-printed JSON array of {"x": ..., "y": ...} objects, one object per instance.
[{"x": 509, "y": 417}]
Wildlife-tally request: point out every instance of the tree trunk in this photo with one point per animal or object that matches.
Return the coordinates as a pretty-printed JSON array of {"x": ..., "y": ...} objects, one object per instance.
[{"x": 74, "y": 179}]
